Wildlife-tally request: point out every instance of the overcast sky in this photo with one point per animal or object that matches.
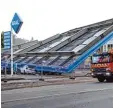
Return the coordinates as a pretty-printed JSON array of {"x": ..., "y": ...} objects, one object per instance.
[{"x": 45, "y": 18}]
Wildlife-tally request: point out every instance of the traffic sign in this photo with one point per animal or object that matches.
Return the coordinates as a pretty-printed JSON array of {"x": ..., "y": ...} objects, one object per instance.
[
  {"x": 16, "y": 23},
  {"x": 7, "y": 40}
]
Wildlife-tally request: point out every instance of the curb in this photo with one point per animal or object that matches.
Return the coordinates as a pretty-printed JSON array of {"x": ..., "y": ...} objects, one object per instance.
[
  {"x": 43, "y": 83},
  {"x": 9, "y": 79}
]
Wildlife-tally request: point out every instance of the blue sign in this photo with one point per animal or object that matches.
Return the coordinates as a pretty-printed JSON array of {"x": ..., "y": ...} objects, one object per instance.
[
  {"x": 16, "y": 23},
  {"x": 7, "y": 40}
]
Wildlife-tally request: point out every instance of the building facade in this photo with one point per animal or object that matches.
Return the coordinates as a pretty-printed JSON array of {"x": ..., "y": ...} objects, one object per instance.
[{"x": 107, "y": 47}]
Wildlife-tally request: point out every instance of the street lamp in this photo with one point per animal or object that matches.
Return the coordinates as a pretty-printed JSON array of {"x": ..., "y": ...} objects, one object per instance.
[{"x": 42, "y": 79}]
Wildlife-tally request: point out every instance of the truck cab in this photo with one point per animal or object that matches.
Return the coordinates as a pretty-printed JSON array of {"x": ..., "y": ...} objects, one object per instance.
[{"x": 102, "y": 66}]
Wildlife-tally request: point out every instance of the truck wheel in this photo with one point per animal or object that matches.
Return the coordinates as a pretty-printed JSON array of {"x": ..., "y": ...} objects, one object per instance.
[{"x": 101, "y": 79}]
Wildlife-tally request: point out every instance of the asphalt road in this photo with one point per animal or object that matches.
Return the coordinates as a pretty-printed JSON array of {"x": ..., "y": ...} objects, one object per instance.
[{"x": 81, "y": 95}]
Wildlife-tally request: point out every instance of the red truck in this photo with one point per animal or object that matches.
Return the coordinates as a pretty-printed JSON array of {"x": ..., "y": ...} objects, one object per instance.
[{"x": 102, "y": 66}]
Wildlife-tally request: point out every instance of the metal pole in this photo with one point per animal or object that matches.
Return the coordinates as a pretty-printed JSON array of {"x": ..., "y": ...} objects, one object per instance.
[
  {"x": 11, "y": 52},
  {"x": 16, "y": 69},
  {"x": 41, "y": 79},
  {"x": 42, "y": 71},
  {"x": 5, "y": 66}
]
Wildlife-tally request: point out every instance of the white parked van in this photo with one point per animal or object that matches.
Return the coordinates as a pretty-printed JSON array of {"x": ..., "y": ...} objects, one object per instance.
[{"x": 27, "y": 70}]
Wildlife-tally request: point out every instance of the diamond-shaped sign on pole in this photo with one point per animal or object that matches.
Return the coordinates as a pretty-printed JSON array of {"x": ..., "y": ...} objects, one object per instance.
[{"x": 16, "y": 23}]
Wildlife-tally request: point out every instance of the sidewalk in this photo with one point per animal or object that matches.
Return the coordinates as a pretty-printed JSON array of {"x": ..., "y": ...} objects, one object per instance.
[{"x": 33, "y": 81}]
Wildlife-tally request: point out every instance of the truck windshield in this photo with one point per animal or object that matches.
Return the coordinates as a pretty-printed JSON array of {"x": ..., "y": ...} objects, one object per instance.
[{"x": 101, "y": 59}]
